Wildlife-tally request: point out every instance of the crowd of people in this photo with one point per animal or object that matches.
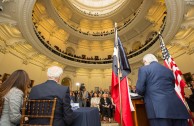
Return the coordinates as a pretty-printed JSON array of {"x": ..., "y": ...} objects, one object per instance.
[
  {"x": 16, "y": 87},
  {"x": 100, "y": 99},
  {"x": 97, "y": 60}
]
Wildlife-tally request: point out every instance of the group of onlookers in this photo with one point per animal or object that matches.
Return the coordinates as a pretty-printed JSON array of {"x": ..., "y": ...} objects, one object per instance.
[
  {"x": 16, "y": 87},
  {"x": 99, "y": 99}
]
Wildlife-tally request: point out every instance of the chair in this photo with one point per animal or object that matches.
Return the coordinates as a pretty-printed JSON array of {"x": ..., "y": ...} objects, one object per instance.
[
  {"x": 1, "y": 106},
  {"x": 38, "y": 109}
]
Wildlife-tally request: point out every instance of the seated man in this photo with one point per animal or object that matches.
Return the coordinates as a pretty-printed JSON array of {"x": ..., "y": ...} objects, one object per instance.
[
  {"x": 49, "y": 90},
  {"x": 105, "y": 105}
]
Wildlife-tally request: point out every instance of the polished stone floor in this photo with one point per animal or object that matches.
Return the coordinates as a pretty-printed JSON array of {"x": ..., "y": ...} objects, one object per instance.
[
  {"x": 110, "y": 124},
  {"x": 106, "y": 123}
]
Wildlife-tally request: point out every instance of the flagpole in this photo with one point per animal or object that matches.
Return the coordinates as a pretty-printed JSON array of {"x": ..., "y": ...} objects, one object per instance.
[
  {"x": 180, "y": 96},
  {"x": 119, "y": 75}
]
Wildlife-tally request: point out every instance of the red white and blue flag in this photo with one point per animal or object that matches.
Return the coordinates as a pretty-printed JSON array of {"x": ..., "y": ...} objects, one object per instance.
[
  {"x": 179, "y": 82},
  {"x": 120, "y": 70}
]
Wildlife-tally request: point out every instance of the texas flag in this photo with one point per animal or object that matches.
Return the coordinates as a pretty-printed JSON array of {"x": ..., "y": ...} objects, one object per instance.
[{"x": 120, "y": 70}]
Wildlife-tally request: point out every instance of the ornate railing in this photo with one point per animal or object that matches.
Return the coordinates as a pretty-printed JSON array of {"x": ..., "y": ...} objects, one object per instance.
[
  {"x": 105, "y": 32},
  {"x": 94, "y": 61}
]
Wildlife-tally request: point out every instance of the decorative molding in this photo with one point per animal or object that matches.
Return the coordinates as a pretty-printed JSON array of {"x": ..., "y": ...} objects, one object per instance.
[
  {"x": 4, "y": 20},
  {"x": 179, "y": 43},
  {"x": 25, "y": 61},
  {"x": 187, "y": 24},
  {"x": 3, "y": 50},
  {"x": 13, "y": 41},
  {"x": 190, "y": 51},
  {"x": 4, "y": 1},
  {"x": 32, "y": 54},
  {"x": 44, "y": 68},
  {"x": 190, "y": 2}
]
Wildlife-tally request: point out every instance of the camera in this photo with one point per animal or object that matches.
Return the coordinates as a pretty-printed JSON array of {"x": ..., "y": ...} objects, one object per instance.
[{"x": 82, "y": 87}]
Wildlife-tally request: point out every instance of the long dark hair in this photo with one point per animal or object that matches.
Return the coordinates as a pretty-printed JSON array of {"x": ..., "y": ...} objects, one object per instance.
[{"x": 18, "y": 79}]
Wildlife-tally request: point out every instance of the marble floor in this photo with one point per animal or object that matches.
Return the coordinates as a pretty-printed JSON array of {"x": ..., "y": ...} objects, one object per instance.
[
  {"x": 106, "y": 123},
  {"x": 110, "y": 124}
]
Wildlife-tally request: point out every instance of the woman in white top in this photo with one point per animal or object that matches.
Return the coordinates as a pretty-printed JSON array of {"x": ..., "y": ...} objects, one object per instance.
[
  {"x": 95, "y": 101},
  {"x": 11, "y": 98}
]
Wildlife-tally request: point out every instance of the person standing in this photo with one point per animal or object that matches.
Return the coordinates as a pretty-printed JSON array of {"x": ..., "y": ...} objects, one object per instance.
[
  {"x": 85, "y": 97},
  {"x": 12, "y": 92},
  {"x": 50, "y": 90},
  {"x": 72, "y": 96},
  {"x": 192, "y": 76},
  {"x": 156, "y": 83},
  {"x": 1, "y": 82}
]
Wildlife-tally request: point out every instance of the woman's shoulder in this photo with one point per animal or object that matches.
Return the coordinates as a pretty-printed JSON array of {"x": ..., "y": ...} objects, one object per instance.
[{"x": 14, "y": 91}]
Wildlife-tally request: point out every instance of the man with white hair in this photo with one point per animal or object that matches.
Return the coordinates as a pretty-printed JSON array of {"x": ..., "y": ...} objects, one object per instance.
[
  {"x": 50, "y": 90},
  {"x": 156, "y": 83}
]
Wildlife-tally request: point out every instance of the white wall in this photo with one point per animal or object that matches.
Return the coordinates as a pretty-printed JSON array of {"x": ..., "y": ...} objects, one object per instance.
[
  {"x": 9, "y": 63},
  {"x": 185, "y": 63},
  {"x": 91, "y": 78}
]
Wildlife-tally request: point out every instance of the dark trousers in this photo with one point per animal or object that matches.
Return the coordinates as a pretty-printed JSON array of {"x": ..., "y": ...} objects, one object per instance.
[
  {"x": 106, "y": 112},
  {"x": 168, "y": 122}
]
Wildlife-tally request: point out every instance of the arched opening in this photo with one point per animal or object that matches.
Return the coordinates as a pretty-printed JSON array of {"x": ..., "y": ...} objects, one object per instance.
[
  {"x": 136, "y": 45},
  {"x": 125, "y": 49},
  {"x": 66, "y": 82},
  {"x": 151, "y": 35},
  {"x": 70, "y": 50}
]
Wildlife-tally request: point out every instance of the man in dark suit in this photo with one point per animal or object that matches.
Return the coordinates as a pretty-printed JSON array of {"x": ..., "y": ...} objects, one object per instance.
[
  {"x": 156, "y": 83},
  {"x": 50, "y": 90}
]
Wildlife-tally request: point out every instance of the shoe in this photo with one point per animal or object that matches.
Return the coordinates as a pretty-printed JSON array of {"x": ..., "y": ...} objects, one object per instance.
[{"x": 109, "y": 120}]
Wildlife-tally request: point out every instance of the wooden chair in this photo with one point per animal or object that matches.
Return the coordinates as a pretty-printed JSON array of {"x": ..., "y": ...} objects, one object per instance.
[
  {"x": 1, "y": 106},
  {"x": 38, "y": 109}
]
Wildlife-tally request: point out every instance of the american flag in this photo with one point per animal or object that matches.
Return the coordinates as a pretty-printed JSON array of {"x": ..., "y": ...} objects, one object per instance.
[{"x": 179, "y": 82}]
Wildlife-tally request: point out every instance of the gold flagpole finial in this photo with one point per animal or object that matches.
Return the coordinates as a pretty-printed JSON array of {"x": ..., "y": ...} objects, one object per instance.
[{"x": 115, "y": 24}]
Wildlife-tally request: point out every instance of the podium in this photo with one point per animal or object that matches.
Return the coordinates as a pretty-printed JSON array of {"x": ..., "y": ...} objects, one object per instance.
[{"x": 139, "y": 115}]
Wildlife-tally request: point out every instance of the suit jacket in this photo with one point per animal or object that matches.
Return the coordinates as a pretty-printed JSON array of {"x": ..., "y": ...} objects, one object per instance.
[
  {"x": 108, "y": 101},
  {"x": 156, "y": 83},
  {"x": 50, "y": 90}
]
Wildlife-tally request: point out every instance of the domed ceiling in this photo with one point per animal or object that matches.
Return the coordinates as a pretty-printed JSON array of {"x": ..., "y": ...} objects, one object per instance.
[
  {"x": 97, "y": 7},
  {"x": 83, "y": 31},
  {"x": 80, "y": 33}
]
